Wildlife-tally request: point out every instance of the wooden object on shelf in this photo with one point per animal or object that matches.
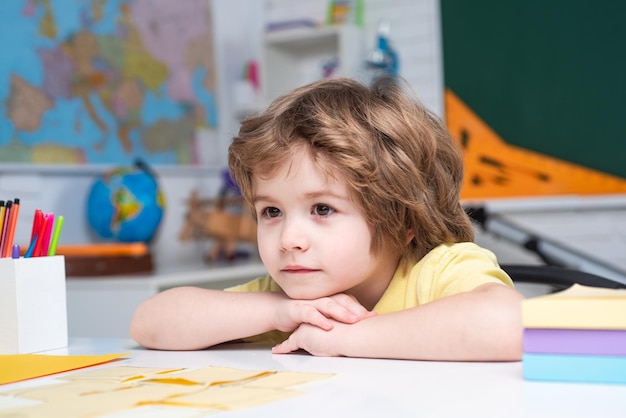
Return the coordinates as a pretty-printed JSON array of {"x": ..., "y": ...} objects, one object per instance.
[
  {"x": 96, "y": 266},
  {"x": 106, "y": 259},
  {"x": 211, "y": 218}
]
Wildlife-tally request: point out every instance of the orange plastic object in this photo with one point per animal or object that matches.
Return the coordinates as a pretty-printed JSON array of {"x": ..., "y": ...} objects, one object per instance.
[{"x": 495, "y": 169}]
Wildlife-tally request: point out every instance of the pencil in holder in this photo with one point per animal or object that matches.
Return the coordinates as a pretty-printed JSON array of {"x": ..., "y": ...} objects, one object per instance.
[{"x": 33, "y": 310}]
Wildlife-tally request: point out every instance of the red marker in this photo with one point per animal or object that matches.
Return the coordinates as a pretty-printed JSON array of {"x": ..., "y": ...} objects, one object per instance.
[
  {"x": 37, "y": 220},
  {"x": 38, "y": 252}
]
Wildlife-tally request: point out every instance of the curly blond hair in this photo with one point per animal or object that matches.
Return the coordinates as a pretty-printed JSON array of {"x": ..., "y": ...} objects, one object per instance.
[{"x": 396, "y": 156}]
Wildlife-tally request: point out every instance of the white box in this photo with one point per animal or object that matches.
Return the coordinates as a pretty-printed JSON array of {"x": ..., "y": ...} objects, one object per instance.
[{"x": 33, "y": 310}]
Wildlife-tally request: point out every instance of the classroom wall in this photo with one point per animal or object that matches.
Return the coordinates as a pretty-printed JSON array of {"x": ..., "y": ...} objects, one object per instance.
[
  {"x": 238, "y": 26},
  {"x": 63, "y": 190},
  {"x": 416, "y": 35}
]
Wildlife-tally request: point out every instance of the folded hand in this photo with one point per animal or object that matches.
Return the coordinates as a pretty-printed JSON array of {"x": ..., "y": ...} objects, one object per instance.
[{"x": 321, "y": 313}]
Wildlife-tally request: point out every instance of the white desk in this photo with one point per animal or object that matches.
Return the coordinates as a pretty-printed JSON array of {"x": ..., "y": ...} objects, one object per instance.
[
  {"x": 103, "y": 306},
  {"x": 383, "y": 388}
]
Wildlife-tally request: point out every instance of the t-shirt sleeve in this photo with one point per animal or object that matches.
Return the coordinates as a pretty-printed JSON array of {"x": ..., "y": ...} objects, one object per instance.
[{"x": 459, "y": 268}]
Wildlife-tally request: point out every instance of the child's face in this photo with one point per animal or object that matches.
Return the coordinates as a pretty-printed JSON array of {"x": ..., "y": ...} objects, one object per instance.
[{"x": 313, "y": 239}]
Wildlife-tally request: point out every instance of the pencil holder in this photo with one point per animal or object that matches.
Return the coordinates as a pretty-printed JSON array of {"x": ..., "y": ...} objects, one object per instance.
[{"x": 33, "y": 311}]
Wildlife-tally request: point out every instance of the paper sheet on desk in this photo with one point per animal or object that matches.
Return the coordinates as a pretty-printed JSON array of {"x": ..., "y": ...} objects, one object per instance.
[
  {"x": 18, "y": 367},
  {"x": 130, "y": 390}
]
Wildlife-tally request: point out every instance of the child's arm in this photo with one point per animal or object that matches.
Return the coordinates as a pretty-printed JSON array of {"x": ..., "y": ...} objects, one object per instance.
[
  {"x": 189, "y": 318},
  {"x": 481, "y": 325}
]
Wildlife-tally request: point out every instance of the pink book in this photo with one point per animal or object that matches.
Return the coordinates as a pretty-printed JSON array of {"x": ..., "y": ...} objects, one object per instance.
[{"x": 599, "y": 342}]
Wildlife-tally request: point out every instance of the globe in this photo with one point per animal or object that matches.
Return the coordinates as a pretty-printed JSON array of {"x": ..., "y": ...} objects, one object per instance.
[{"x": 126, "y": 204}]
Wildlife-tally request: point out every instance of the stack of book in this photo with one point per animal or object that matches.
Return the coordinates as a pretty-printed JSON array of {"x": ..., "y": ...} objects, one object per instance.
[{"x": 576, "y": 335}]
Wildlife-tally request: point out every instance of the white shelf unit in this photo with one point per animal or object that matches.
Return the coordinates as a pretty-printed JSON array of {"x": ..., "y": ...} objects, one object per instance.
[{"x": 294, "y": 57}]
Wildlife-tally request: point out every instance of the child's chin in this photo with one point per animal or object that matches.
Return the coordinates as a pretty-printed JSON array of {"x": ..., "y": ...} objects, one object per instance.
[{"x": 305, "y": 295}]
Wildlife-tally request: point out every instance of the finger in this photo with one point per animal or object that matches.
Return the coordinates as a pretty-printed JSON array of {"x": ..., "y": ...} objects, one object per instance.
[
  {"x": 350, "y": 303},
  {"x": 311, "y": 315},
  {"x": 287, "y": 346},
  {"x": 369, "y": 314},
  {"x": 340, "y": 312}
]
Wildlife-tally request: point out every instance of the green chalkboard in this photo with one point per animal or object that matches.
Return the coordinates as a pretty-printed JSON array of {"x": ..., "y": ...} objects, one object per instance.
[{"x": 546, "y": 75}]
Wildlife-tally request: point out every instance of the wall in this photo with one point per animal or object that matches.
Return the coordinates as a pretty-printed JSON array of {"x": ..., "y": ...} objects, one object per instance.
[
  {"x": 416, "y": 34},
  {"x": 238, "y": 28}
]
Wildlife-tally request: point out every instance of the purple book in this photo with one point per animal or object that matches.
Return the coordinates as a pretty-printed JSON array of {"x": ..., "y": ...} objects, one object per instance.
[{"x": 575, "y": 341}]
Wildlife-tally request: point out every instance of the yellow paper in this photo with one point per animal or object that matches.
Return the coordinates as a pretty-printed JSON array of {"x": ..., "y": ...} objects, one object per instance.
[
  {"x": 17, "y": 367},
  {"x": 577, "y": 307},
  {"x": 118, "y": 389}
]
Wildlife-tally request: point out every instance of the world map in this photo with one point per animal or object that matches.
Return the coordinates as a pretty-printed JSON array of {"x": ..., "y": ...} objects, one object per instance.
[{"x": 105, "y": 81}]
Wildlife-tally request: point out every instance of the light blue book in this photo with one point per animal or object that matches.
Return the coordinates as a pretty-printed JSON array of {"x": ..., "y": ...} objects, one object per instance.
[{"x": 574, "y": 368}]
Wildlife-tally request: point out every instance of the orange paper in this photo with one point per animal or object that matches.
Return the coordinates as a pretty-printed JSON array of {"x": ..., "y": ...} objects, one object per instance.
[{"x": 18, "y": 367}]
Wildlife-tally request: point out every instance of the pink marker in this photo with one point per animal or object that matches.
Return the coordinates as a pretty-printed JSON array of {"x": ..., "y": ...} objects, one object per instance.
[{"x": 47, "y": 233}]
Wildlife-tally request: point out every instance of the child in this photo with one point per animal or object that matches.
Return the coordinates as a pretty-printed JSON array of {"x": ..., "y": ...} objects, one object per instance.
[{"x": 355, "y": 192}]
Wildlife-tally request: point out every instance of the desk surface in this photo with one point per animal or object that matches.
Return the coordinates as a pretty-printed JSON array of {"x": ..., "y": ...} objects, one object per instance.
[{"x": 383, "y": 388}]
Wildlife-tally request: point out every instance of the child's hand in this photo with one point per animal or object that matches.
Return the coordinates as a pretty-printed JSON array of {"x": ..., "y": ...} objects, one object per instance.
[
  {"x": 312, "y": 339},
  {"x": 320, "y": 312}
]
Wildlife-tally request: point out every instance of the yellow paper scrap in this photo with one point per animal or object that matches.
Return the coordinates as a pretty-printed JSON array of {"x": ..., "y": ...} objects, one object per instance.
[
  {"x": 286, "y": 379},
  {"x": 215, "y": 376},
  {"x": 122, "y": 374},
  {"x": 115, "y": 390},
  {"x": 17, "y": 367},
  {"x": 229, "y": 398},
  {"x": 61, "y": 392}
]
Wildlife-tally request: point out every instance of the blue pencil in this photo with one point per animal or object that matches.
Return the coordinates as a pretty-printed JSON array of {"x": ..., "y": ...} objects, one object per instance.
[{"x": 31, "y": 247}]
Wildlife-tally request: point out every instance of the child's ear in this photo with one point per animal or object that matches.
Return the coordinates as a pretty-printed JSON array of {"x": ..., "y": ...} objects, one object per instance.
[{"x": 409, "y": 236}]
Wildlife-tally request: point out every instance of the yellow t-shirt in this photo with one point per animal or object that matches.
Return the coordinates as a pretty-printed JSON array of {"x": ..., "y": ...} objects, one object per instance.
[{"x": 446, "y": 270}]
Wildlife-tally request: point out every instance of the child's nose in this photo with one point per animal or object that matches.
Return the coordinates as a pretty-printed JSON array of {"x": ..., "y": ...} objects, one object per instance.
[{"x": 293, "y": 237}]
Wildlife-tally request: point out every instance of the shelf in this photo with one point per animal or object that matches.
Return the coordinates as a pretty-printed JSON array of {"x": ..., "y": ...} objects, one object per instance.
[
  {"x": 296, "y": 39},
  {"x": 294, "y": 57}
]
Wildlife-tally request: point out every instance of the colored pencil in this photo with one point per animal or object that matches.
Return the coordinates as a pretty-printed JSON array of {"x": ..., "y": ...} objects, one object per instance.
[
  {"x": 8, "y": 243},
  {"x": 6, "y": 220}
]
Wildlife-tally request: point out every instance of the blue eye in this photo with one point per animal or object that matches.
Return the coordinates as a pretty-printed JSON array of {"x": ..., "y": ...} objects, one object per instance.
[
  {"x": 322, "y": 210},
  {"x": 271, "y": 212}
]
